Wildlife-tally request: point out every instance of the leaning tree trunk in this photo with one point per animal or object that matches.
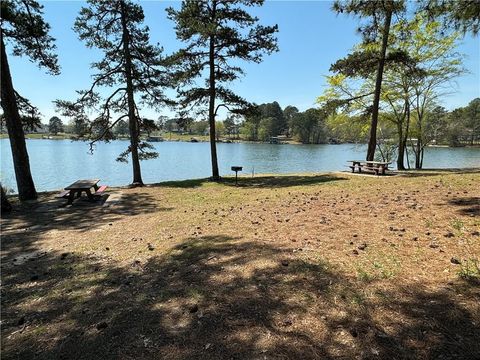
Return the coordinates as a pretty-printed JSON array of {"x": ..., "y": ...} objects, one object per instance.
[
  {"x": 405, "y": 138},
  {"x": 421, "y": 156},
  {"x": 401, "y": 148},
  {"x": 211, "y": 112},
  {"x": 406, "y": 155},
  {"x": 402, "y": 138},
  {"x": 372, "y": 143},
  {"x": 419, "y": 144},
  {"x": 418, "y": 149},
  {"x": 133, "y": 125},
  {"x": 21, "y": 163}
]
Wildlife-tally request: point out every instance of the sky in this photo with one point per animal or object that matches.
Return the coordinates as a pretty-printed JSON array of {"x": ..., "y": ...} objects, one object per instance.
[{"x": 311, "y": 37}]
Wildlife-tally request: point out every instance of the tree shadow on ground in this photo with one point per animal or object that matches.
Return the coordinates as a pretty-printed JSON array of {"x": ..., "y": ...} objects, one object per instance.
[
  {"x": 262, "y": 181},
  {"x": 436, "y": 172},
  {"x": 219, "y": 297},
  {"x": 29, "y": 221},
  {"x": 469, "y": 206}
]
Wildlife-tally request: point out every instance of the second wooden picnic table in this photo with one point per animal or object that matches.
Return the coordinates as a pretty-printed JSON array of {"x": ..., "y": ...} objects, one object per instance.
[
  {"x": 82, "y": 185},
  {"x": 379, "y": 167}
]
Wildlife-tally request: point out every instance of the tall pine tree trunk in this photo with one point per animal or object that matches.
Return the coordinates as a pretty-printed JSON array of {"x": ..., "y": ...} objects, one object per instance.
[
  {"x": 21, "y": 163},
  {"x": 211, "y": 112},
  {"x": 133, "y": 125},
  {"x": 372, "y": 143}
]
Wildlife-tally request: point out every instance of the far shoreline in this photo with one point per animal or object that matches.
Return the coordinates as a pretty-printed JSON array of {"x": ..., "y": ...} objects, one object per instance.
[{"x": 204, "y": 139}]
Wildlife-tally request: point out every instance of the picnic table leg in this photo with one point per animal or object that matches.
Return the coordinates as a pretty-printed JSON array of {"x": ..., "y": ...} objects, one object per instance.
[
  {"x": 71, "y": 196},
  {"x": 90, "y": 195}
]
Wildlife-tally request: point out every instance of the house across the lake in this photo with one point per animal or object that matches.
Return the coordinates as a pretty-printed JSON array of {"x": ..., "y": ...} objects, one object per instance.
[{"x": 281, "y": 139}]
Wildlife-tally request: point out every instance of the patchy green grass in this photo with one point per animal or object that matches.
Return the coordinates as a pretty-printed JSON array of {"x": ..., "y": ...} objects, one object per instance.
[
  {"x": 457, "y": 224},
  {"x": 365, "y": 276},
  {"x": 470, "y": 269}
]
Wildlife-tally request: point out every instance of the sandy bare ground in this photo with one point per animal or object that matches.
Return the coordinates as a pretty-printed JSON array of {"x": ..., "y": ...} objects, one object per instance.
[{"x": 287, "y": 267}]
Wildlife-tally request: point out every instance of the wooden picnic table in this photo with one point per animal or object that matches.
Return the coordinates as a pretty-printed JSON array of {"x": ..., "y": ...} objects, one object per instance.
[
  {"x": 378, "y": 167},
  {"x": 82, "y": 185}
]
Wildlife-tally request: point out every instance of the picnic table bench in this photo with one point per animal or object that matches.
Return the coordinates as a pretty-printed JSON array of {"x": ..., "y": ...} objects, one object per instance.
[
  {"x": 79, "y": 186},
  {"x": 377, "y": 167}
]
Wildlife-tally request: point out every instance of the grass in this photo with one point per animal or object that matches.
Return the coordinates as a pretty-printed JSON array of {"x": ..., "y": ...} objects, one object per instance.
[
  {"x": 59, "y": 136},
  {"x": 429, "y": 223},
  {"x": 166, "y": 136},
  {"x": 470, "y": 269},
  {"x": 457, "y": 224},
  {"x": 282, "y": 267},
  {"x": 187, "y": 137},
  {"x": 365, "y": 276}
]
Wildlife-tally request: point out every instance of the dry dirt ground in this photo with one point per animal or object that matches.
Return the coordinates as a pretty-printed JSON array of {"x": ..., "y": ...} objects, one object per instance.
[{"x": 328, "y": 266}]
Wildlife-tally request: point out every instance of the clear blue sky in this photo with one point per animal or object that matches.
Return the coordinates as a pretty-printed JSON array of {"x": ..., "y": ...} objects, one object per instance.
[{"x": 311, "y": 37}]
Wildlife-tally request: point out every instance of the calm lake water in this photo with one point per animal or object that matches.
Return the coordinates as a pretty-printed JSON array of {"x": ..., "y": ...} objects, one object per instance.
[{"x": 57, "y": 163}]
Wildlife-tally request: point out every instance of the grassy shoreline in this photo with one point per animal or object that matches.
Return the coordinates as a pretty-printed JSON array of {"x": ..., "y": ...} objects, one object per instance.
[
  {"x": 292, "y": 266},
  {"x": 186, "y": 183}
]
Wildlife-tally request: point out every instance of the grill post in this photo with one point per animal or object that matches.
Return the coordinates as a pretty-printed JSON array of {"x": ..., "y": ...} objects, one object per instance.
[{"x": 236, "y": 169}]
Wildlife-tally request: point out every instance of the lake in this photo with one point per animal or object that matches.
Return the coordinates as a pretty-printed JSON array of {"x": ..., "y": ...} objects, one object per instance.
[{"x": 57, "y": 163}]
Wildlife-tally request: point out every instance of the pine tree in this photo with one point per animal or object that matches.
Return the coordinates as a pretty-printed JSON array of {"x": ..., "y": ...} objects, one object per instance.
[
  {"x": 23, "y": 27},
  {"x": 131, "y": 69},
  {"x": 217, "y": 34},
  {"x": 458, "y": 15}
]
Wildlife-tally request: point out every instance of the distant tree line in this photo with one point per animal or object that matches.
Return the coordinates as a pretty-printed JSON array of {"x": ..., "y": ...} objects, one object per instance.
[{"x": 458, "y": 127}]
